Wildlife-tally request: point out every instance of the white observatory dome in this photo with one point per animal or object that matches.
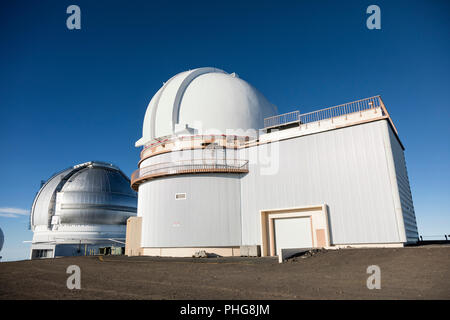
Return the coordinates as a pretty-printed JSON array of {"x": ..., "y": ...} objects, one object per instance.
[{"x": 204, "y": 100}]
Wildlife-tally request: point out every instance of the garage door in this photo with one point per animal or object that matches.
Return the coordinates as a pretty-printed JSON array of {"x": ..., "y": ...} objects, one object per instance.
[{"x": 292, "y": 233}]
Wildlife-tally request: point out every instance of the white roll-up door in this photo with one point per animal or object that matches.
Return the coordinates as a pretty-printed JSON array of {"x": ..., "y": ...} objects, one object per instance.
[{"x": 292, "y": 233}]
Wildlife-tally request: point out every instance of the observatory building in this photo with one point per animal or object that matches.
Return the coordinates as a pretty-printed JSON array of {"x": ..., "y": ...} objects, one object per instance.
[
  {"x": 81, "y": 209},
  {"x": 222, "y": 171}
]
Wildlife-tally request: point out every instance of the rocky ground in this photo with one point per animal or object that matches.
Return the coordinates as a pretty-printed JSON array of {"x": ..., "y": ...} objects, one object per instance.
[{"x": 406, "y": 273}]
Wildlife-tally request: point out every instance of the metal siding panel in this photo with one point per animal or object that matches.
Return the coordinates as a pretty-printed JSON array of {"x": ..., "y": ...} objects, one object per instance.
[{"x": 404, "y": 189}]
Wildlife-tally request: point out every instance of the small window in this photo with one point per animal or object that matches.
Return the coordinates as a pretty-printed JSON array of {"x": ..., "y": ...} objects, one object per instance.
[{"x": 180, "y": 196}]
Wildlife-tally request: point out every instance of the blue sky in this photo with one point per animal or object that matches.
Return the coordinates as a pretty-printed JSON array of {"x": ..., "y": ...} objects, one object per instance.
[{"x": 70, "y": 96}]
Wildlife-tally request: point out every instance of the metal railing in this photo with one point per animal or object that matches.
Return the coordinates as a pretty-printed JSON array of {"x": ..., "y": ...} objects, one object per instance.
[
  {"x": 323, "y": 114},
  {"x": 440, "y": 237},
  {"x": 188, "y": 166},
  {"x": 282, "y": 119},
  {"x": 342, "y": 109}
]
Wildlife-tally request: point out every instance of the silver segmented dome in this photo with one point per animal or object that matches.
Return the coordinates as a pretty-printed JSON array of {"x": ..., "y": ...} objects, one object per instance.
[{"x": 89, "y": 193}]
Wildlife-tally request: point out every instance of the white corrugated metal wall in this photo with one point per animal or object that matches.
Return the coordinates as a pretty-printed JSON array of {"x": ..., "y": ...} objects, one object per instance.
[{"x": 344, "y": 168}]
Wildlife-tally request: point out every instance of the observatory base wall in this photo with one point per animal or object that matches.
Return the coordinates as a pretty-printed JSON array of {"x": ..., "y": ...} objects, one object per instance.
[{"x": 191, "y": 211}]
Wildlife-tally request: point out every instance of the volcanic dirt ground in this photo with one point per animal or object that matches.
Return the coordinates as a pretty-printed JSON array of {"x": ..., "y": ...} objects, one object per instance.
[{"x": 406, "y": 273}]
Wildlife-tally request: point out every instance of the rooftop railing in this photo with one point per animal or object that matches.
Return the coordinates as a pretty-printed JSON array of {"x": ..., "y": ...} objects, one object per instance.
[
  {"x": 188, "y": 166},
  {"x": 282, "y": 119},
  {"x": 328, "y": 113},
  {"x": 342, "y": 109}
]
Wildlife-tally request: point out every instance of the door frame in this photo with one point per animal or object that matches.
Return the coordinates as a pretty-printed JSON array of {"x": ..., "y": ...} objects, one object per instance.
[{"x": 318, "y": 216}]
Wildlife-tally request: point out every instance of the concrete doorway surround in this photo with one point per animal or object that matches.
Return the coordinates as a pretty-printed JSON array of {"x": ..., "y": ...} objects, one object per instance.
[{"x": 315, "y": 216}]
